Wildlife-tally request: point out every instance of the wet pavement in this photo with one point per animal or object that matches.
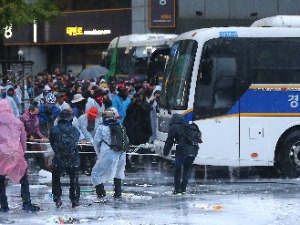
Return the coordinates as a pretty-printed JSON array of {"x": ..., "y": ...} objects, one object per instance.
[{"x": 147, "y": 199}]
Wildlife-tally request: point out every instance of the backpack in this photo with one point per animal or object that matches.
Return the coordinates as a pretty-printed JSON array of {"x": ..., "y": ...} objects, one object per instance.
[
  {"x": 67, "y": 144},
  {"x": 119, "y": 141},
  {"x": 192, "y": 134}
]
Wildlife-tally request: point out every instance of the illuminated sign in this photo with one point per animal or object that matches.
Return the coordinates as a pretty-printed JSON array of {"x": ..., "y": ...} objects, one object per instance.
[
  {"x": 34, "y": 32},
  {"x": 97, "y": 32},
  {"x": 74, "y": 31},
  {"x": 78, "y": 31},
  {"x": 96, "y": 26},
  {"x": 8, "y": 31},
  {"x": 161, "y": 13}
]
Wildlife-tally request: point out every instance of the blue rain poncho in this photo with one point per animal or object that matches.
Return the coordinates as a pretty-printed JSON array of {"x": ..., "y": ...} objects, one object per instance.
[{"x": 110, "y": 164}]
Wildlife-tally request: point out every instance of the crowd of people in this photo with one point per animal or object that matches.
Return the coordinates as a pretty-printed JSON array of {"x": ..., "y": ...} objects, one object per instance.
[
  {"x": 67, "y": 115},
  {"x": 135, "y": 100},
  {"x": 50, "y": 103}
]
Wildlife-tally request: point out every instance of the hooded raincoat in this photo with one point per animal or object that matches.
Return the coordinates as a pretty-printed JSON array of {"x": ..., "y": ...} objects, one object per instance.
[
  {"x": 110, "y": 164},
  {"x": 12, "y": 144},
  {"x": 176, "y": 135}
]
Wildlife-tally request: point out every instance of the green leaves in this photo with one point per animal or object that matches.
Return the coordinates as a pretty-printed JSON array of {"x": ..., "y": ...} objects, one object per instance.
[
  {"x": 19, "y": 12},
  {"x": 44, "y": 10}
]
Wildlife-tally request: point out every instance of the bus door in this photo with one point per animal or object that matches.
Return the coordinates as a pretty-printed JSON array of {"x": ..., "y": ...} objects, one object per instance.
[{"x": 217, "y": 109}]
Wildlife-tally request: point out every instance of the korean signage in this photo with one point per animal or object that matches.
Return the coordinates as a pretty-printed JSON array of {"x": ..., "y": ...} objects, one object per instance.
[
  {"x": 79, "y": 31},
  {"x": 74, "y": 28},
  {"x": 161, "y": 13}
]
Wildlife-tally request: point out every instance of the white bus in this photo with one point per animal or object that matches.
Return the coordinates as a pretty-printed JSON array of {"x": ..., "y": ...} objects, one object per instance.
[
  {"x": 241, "y": 85},
  {"x": 135, "y": 50}
]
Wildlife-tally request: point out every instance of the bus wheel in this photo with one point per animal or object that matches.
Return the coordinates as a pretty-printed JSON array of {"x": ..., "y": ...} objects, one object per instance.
[{"x": 289, "y": 156}]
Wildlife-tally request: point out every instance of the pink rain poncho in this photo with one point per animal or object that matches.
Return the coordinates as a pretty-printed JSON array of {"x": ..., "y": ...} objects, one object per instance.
[{"x": 12, "y": 144}]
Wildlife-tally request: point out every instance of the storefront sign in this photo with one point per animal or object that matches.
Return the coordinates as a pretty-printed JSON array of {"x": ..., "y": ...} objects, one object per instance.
[
  {"x": 8, "y": 31},
  {"x": 161, "y": 13},
  {"x": 74, "y": 28},
  {"x": 79, "y": 31}
]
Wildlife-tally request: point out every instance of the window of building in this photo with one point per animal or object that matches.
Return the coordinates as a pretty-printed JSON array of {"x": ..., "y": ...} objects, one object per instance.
[{"x": 78, "y": 5}]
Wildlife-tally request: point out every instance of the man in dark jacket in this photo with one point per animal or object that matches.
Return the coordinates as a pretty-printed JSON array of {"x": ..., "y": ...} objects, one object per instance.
[
  {"x": 137, "y": 121},
  {"x": 185, "y": 153},
  {"x": 66, "y": 159}
]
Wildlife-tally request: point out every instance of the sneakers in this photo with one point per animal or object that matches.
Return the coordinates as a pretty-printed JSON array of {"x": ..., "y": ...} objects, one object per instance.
[
  {"x": 58, "y": 203},
  {"x": 4, "y": 208},
  {"x": 177, "y": 193},
  {"x": 31, "y": 208},
  {"x": 75, "y": 204}
]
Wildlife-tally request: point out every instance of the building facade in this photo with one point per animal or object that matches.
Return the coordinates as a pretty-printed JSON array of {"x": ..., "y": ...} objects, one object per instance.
[{"x": 80, "y": 37}]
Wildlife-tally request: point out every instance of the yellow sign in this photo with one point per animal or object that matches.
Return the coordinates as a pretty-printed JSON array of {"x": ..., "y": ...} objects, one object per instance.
[
  {"x": 78, "y": 31},
  {"x": 74, "y": 31}
]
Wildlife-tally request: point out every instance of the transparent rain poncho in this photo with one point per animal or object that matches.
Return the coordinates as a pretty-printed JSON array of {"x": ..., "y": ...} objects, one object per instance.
[
  {"x": 12, "y": 144},
  {"x": 110, "y": 164}
]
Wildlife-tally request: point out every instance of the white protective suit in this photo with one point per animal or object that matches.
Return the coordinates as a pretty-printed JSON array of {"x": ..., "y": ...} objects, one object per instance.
[
  {"x": 83, "y": 124},
  {"x": 110, "y": 164}
]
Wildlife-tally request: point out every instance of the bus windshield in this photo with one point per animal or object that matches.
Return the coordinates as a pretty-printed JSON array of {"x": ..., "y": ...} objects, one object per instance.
[
  {"x": 135, "y": 56},
  {"x": 178, "y": 73}
]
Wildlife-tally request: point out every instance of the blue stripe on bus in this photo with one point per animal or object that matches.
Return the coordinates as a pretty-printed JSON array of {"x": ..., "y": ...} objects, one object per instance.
[
  {"x": 268, "y": 101},
  {"x": 188, "y": 116}
]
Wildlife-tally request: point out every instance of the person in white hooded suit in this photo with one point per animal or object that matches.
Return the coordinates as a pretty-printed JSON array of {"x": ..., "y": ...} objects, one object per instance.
[{"x": 110, "y": 163}]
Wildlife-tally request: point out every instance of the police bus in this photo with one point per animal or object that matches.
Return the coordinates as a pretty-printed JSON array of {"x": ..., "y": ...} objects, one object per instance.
[
  {"x": 135, "y": 51},
  {"x": 241, "y": 86}
]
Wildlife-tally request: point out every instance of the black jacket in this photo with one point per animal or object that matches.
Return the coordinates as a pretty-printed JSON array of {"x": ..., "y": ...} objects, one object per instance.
[
  {"x": 176, "y": 135},
  {"x": 138, "y": 123}
]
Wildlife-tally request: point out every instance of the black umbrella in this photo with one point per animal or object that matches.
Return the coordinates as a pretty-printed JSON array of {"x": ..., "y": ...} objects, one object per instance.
[{"x": 92, "y": 72}]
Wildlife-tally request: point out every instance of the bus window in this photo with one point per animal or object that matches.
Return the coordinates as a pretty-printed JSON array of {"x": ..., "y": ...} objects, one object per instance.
[
  {"x": 224, "y": 85},
  {"x": 134, "y": 53},
  {"x": 294, "y": 61},
  {"x": 205, "y": 71},
  {"x": 223, "y": 77},
  {"x": 269, "y": 61},
  {"x": 275, "y": 61},
  {"x": 177, "y": 80}
]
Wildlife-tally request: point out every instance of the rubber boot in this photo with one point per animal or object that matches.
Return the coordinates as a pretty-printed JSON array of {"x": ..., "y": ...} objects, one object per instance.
[
  {"x": 118, "y": 189},
  {"x": 100, "y": 191},
  {"x": 3, "y": 197}
]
